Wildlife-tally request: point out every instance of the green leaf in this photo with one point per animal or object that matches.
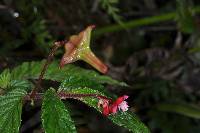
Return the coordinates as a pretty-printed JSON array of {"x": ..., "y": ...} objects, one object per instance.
[
  {"x": 32, "y": 70},
  {"x": 74, "y": 82},
  {"x": 20, "y": 84},
  {"x": 27, "y": 70},
  {"x": 124, "y": 119},
  {"x": 183, "y": 109},
  {"x": 79, "y": 81},
  {"x": 7, "y": 83},
  {"x": 10, "y": 111},
  {"x": 55, "y": 117},
  {"x": 5, "y": 79},
  {"x": 129, "y": 121}
]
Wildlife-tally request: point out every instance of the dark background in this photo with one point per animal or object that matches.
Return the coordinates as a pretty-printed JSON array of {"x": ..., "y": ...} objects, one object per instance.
[{"x": 160, "y": 60}]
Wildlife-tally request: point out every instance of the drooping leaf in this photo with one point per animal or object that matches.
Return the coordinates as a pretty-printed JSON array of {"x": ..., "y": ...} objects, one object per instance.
[
  {"x": 32, "y": 70},
  {"x": 124, "y": 119},
  {"x": 10, "y": 111},
  {"x": 55, "y": 117},
  {"x": 183, "y": 109}
]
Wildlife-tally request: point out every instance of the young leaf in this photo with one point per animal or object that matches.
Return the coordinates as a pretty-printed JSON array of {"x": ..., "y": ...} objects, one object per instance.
[
  {"x": 10, "y": 111},
  {"x": 55, "y": 117},
  {"x": 124, "y": 119}
]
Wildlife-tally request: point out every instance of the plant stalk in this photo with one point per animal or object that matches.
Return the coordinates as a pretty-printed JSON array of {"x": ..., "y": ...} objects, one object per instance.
[
  {"x": 139, "y": 22},
  {"x": 48, "y": 61},
  {"x": 64, "y": 95}
]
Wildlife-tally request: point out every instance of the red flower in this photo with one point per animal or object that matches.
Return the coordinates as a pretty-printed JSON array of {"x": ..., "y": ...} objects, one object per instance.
[
  {"x": 105, "y": 105},
  {"x": 120, "y": 104}
]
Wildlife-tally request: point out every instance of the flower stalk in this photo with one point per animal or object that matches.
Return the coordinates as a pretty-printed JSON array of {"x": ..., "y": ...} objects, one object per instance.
[
  {"x": 107, "y": 105},
  {"x": 48, "y": 61},
  {"x": 65, "y": 95}
]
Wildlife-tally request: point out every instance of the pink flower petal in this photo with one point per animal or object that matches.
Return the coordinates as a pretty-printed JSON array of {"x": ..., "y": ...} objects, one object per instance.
[
  {"x": 123, "y": 106},
  {"x": 125, "y": 97}
]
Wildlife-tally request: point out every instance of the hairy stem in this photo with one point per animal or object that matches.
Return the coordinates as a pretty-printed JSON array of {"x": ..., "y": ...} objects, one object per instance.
[
  {"x": 48, "y": 61},
  {"x": 64, "y": 95}
]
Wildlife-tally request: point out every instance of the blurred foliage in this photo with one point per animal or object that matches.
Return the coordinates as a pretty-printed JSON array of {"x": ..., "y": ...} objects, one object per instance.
[
  {"x": 112, "y": 10},
  {"x": 27, "y": 26},
  {"x": 185, "y": 18}
]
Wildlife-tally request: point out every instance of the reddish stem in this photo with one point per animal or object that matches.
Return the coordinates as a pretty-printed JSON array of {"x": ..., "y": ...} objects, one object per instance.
[
  {"x": 64, "y": 95},
  {"x": 48, "y": 61}
]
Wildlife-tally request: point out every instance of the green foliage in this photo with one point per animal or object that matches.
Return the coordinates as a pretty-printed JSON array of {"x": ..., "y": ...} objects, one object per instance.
[
  {"x": 83, "y": 85},
  {"x": 32, "y": 70},
  {"x": 7, "y": 83},
  {"x": 129, "y": 121},
  {"x": 20, "y": 84},
  {"x": 10, "y": 111},
  {"x": 76, "y": 81},
  {"x": 185, "y": 18},
  {"x": 55, "y": 117},
  {"x": 34, "y": 28},
  {"x": 112, "y": 10},
  {"x": 42, "y": 38},
  {"x": 124, "y": 119},
  {"x": 29, "y": 27}
]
